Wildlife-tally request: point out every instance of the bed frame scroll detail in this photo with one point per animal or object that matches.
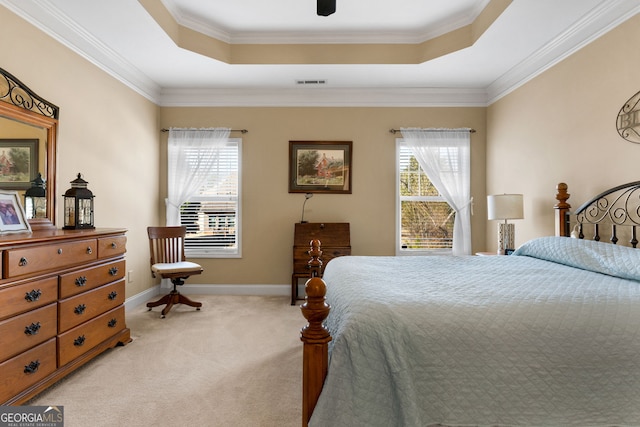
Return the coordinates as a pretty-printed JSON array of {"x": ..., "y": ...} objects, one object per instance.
[
  {"x": 618, "y": 206},
  {"x": 315, "y": 336}
]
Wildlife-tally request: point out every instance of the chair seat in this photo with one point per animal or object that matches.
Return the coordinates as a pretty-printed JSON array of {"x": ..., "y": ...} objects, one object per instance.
[{"x": 176, "y": 267}]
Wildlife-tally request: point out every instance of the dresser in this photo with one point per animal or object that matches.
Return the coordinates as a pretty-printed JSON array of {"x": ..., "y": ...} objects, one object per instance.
[
  {"x": 334, "y": 239},
  {"x": 62, "y": 298}
]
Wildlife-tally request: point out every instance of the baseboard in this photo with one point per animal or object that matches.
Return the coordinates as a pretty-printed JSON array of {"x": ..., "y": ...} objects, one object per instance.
[{"x": 270, "y": 290}]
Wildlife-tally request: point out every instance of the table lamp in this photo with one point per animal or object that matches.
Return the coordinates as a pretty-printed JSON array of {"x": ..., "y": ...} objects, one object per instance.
[{"x": 505, "y": 207}]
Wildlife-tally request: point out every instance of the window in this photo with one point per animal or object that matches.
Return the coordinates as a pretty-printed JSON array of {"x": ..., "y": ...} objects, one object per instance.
[
  {"x": 424, "y": 219},
  {"x": 212, "y": 216}
]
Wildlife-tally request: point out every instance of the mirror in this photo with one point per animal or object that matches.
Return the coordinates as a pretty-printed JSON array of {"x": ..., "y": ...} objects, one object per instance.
[{"x": 28, "y": 129}]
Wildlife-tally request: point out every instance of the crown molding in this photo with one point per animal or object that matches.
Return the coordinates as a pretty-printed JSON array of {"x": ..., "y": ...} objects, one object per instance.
[
  {"x": 318, "y": 37},
  {"x": 600, "y": 20},
  {"x": 324, "y": 97},
  {"x": 80, "y": 41}
]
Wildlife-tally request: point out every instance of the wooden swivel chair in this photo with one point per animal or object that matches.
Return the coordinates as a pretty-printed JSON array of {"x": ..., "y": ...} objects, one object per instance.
[{"x": 168, "y": 261}]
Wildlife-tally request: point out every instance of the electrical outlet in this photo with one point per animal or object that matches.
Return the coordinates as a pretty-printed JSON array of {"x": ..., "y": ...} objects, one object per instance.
[{"x": 130, "y": 276}]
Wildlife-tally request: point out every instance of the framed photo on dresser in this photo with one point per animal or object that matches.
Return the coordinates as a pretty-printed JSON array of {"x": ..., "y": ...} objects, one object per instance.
[{"x": 12, "y": 216}]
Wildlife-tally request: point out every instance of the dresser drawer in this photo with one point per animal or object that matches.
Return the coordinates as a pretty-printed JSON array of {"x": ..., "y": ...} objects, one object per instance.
[
  {"x": 29, "y": 260},
  {"x": 25, "y": 297},
  {"x": 87, "y": 305},
  {"x": 82, "y": 280},
  {"x": 27, "y": 330},
  {"x": 26, "y": 369},
  {"x": 111, "y": 246},
  {"x": 83, "y": 338},
  {"x": 329, "y": 233}
]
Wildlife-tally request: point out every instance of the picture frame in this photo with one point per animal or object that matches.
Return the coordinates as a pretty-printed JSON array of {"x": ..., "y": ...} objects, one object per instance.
[
  {"x": 320, "y": 167},
  {"x": 18, "y": 163},
  {"x": 12, "y": 216}
]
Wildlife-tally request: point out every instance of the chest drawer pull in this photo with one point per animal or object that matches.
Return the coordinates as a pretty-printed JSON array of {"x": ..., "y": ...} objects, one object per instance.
[
  {"x": 80, "y": 309},
  {"x": 113, "y": 245},
  {"x": 113, "y": 271},
  {"x": 34, "y": 295},
  {"x": 113, "y": 295},
  {"x": 79, "y": 341},
  {"x": 32, "y": 329},
  {"x": 112, "y": 323},
  {"x": 59, "y": 251},
  {"x": 23, "y": 261},
  {"x": 32, "y": 367},
  {"x": 81, "y": 281},
  {"x": 89, "y": 250}
]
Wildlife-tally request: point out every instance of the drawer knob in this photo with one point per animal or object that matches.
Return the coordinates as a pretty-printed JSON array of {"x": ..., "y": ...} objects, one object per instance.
[
  {"x": 89, "y": 250},
  {"x": 32, "y": 329},
  {"x": 79, "y": 341},
  {"x": 113, "y": 245},
  {"x": 81, "y": 281},
  {"x": 23, "y": 261},
  {"x": 80, "y": 309},
  {"x": 59, "y": 251},
  {"x": 32, "y": 367},
  {"x": 113, "y": 295},
  {"x": 113, "y": 271},
  {"x": 112, "y": 323},
  {"x": 34, "y": 295}
]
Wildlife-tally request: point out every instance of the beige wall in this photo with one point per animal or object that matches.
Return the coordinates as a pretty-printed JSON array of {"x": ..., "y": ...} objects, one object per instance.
[
  {"x": 561, "y": 127},
  {"x": 558, "y": 127},
  {"x": 270, "y": 211},
  {"x": 106, "y": 131},
  {"x": 111, "y": 135}
]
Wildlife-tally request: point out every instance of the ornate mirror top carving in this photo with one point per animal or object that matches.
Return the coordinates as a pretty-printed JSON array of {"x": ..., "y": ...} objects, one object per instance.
[
  {"x": 30, "y": 123},
  {"x": 13, "y": 91}
]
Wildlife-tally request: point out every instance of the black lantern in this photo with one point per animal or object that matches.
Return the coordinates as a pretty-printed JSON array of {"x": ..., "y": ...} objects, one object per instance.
[
  {"x": 78, "y": 206},
  {"x": 35, "y": 199}
]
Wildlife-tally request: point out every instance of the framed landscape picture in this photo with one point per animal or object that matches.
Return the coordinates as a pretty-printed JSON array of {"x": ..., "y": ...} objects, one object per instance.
[
  {"x": 18, "y": 163},
  {"x": 320, "y": 167}
]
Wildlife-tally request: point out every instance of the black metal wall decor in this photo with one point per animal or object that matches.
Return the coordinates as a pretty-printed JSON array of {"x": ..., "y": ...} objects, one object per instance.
[{"x": 628, "y": 121}]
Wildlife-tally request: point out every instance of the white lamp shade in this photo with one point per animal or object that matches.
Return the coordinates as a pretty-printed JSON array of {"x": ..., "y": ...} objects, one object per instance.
[{"x": 505, "y": 206}]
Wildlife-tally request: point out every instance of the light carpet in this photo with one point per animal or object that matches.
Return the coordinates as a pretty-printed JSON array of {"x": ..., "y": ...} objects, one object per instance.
[{"x": 236, "y": 362}]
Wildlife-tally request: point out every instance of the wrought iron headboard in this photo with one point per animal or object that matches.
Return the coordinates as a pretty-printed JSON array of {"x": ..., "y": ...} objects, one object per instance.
[{"x": 618, "y": 206}]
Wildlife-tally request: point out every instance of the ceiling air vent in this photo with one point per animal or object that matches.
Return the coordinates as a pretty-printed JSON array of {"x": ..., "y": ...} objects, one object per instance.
[{"x": 311, "y": 82}]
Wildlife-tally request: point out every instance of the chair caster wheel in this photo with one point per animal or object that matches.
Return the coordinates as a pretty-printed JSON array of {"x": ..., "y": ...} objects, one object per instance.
[
  {"x": 149, "y": 309},
  {"x": 162, "y": 316},
  {"x": 198, "y": 309}
]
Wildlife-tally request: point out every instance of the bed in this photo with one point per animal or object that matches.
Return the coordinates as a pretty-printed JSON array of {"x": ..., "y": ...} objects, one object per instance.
[{"x": 548, "y": 336}]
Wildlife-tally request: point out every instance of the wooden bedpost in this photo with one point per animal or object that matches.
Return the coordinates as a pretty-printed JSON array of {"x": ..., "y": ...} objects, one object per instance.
[
  {"x": 315, "y": 338},
  {"x": 562, "y": 210}
]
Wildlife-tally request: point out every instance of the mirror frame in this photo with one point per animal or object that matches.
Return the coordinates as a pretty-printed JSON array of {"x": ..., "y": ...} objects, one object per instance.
[{"x": 23, "y": 105}]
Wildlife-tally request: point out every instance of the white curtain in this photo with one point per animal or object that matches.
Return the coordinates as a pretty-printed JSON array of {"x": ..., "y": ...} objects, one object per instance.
[
  {"x": 192, "y": 156},
  {"x": 444, "y": 155}
]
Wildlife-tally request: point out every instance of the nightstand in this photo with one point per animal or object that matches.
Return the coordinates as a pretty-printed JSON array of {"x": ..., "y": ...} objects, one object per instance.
[{"x": 334, "y": 239}]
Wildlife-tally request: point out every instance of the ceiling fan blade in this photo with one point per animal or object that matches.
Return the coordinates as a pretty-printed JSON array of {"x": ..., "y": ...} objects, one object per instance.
[{"x": 326, "y": 7}]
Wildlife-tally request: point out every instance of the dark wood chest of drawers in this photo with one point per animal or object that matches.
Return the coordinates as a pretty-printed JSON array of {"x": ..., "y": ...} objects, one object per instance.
[
  {"x": 334, "y": 239},
  {"x": 61, "y": 304}
]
